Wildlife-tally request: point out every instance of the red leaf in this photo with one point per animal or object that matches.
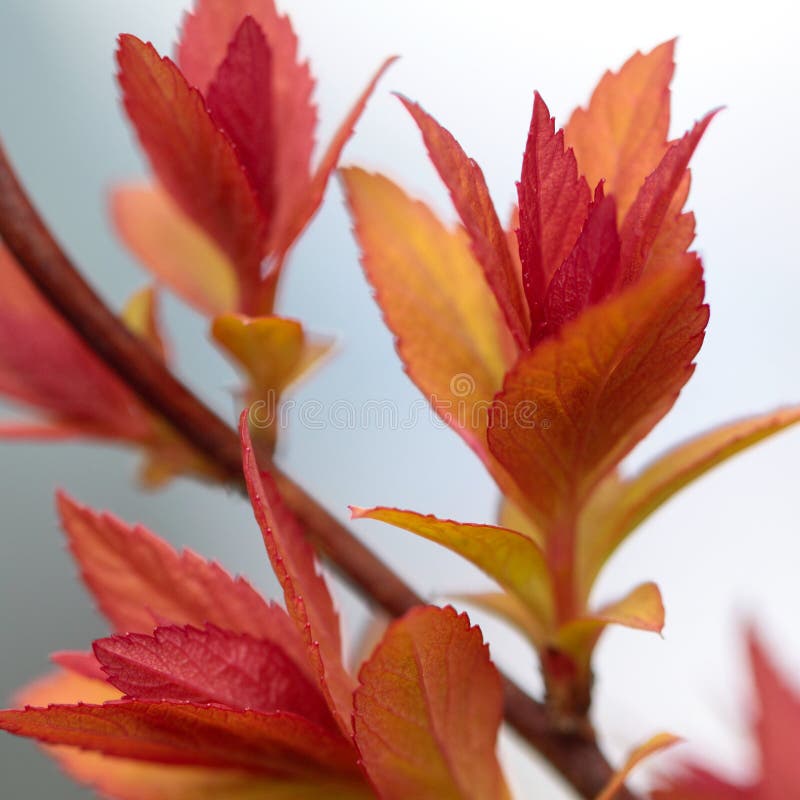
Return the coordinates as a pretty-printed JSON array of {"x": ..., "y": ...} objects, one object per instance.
[
  {"x": 777, "y": 724},
  {"x": 464, "y": 179},
  {"x": 655, "y": 198},
  {"x": 44, "y": 364},
  {"x": 207, "y": 33},
  {"x": 553, "y": 204},
  {"x": 307, "y": 597},
  {"x": 138, "y": 581},
  {"x": 84, "y": 664},
  {"x": 182, "y": 733},
  {"x": 428, "y": 710},
  {"x": 589, "y": 273},
  {"x": 775, "y": 729},
  {"x": 240, "y": 101},
  {"x": 192, "y": 158},
  {"x": 210, "y": 666}
]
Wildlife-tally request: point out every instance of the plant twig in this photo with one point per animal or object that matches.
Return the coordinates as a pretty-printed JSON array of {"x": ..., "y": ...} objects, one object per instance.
[{"x": 23, "y": 231}]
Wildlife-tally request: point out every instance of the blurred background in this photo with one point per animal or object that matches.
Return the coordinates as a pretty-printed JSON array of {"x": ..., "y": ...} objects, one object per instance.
[{"x": 723, "y": 552}]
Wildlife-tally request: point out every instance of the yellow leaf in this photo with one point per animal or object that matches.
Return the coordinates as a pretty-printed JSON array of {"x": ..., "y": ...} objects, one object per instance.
[
  {"x": 435, "y": 300},
  {"x": 508, "y": 557},
  {"x": 274, "y": 351},
  {"x": 619, "y": 506}
]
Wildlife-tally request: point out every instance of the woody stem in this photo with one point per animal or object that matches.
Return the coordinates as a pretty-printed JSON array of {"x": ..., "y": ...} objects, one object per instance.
[{"x": 24, "y": 233}]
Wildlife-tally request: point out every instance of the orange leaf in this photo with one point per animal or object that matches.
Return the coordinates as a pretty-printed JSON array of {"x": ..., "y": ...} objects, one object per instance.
[
  {"x": 620, "y": 506},
  {"x": 177, "y": 252},
  {"x": 192, "y": 158},
  {"x": 574, "y": 406},
  {"x": 553, "y": 205},
  {"x": 464, "y": 179},
  {"x": 435, "y": 301},
  {"x": 138, "y": 580},
  {"x": 428, "y": 710},
  {"x": 307, "y": 597},
  {"x": 508, "y": 557},
  {"x": 622, "y": 134},
  {"x": 182, "y": 733},
  {"x": 657, "y": 743}
]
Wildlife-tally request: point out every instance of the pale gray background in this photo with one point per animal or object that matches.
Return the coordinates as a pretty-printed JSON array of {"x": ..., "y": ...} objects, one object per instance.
[{"x": 726, "y": 549}]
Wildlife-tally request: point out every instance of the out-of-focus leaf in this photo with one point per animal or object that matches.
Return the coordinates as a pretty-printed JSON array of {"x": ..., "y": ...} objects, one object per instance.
[
  {"x": 622, "y": 134},
  {"x": 210, "y": 666},
  {"x": 428, "y": 710},
  {"x": 572, "y": 408},
  {"x": 775, "y": 723},
  {"x": 273, "y": 350},
  {"x": 179, "y": 253},
  {"x": 307, "y": 597},
  {"x": 141, "y": 315},
  {"x": 464, "y": 179},
  {"x": 45, "y": 365},
  {"x": 657, "y": 743}
]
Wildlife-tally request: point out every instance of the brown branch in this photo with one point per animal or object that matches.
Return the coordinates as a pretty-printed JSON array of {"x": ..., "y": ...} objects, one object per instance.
[{"x": 577, "y": 758}]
